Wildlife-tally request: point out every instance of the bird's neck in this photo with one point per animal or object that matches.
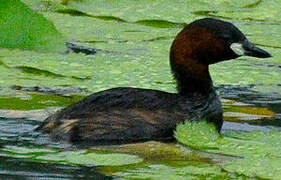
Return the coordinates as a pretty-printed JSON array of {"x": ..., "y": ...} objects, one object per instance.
[
  {"x": 189, "y": 85},
  {"x": 192, "y": 78}
]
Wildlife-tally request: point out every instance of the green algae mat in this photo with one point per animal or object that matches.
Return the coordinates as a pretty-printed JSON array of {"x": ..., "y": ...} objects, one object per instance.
[{"x": 133, "y": 40}]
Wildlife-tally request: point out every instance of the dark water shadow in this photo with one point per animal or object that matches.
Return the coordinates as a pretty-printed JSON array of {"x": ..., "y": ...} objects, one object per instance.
[
  {"x": 160, "y": 23},
  {"x": 74, "y": 12}
]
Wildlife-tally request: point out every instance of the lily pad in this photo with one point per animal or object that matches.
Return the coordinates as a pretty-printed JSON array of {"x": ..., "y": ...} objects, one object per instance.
[
  {"x": 200, "y": 136},
  {"x": 258, "y": 150},
  {"x": 80, "y": 157},
  {"x": 255, "y": 10},
  {"x": 91, "y": 159},
  {"x": 191, "y": 170},
  {"x": 25, "y": 150}
]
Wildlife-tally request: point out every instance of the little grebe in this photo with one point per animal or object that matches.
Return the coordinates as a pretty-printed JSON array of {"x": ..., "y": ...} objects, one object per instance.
[{"x": 123, "y": 115}]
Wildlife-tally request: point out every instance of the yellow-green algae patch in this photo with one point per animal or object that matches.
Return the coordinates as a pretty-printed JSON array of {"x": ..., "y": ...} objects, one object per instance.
[
  {"x": 259, "y": 152},
  {"x": 153, "y": 151},
  {"x": 237, "y": 111}
]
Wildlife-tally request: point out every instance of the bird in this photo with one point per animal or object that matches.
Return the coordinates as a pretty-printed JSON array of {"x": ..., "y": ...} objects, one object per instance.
[{"x": 128, "y": 115}]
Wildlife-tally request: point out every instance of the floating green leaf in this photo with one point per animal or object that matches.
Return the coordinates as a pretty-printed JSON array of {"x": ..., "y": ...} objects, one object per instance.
[
  {"x": 81, "y": 157},
  {"x": 190, "y": 170},
  {"x": 259, "y": 152},
  {"x": 22, "y": 28},
  {"x": 181, "y": 11},
  {"x": 197, "y": 136},
  {"x": 25, "y": 150},
  {"x": 91, "y": 159}
]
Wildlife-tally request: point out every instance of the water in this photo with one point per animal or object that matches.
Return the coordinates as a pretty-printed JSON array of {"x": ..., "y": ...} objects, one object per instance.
[{"x": 135, "y": 38}]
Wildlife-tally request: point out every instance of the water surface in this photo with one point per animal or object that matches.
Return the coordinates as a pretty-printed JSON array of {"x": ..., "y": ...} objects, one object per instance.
[{"x": 133, "y": 39}]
